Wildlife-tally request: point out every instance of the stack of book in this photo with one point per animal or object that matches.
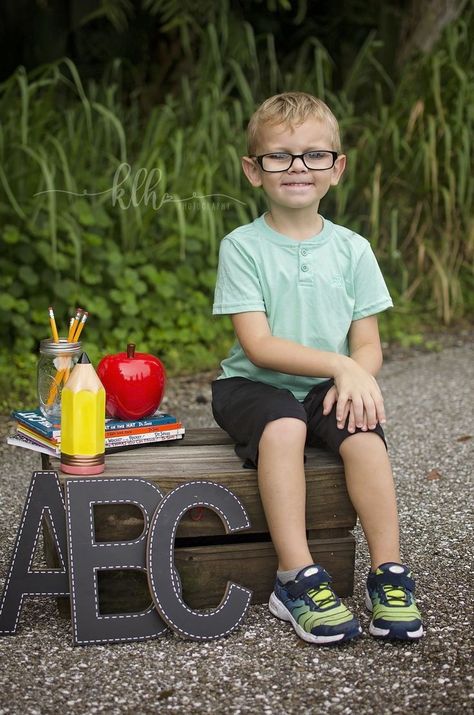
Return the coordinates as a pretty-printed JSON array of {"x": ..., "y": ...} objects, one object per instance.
[{"x": 34, "y": 431}]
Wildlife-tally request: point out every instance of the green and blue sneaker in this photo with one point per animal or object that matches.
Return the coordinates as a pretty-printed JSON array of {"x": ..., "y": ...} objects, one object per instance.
[
  {"x": 389, "y": 596},
  {"x": 313, "y": 609}
]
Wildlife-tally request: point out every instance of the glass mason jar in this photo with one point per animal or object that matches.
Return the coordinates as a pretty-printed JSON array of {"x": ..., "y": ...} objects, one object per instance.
[{"x": 54, "y": 366}]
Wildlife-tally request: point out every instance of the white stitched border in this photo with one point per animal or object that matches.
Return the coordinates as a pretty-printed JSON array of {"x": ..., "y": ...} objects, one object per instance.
[{"x": 59, "y": 570}]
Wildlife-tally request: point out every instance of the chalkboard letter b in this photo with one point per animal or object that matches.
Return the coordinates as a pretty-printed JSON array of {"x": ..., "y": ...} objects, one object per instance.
[{"x": 87, "y": 557}]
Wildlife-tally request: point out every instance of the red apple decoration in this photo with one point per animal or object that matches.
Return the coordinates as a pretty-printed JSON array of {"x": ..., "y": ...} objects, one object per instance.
[{"x": 134, "y": 383}]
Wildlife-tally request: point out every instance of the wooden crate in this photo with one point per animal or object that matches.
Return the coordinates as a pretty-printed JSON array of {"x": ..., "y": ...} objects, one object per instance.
[{"x": 205, "y": 556}]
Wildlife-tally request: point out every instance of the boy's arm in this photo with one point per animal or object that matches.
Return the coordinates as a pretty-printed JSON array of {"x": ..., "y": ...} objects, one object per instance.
[
  {"x": 364, "y": 344},
  {"x": 273, "y": 353},
  {"x": 355, "y": 385},
  {"x": 366, "y": 350}
]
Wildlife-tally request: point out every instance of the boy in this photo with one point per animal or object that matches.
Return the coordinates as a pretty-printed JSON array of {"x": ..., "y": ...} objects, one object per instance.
[{"x": 303, "y": 294}]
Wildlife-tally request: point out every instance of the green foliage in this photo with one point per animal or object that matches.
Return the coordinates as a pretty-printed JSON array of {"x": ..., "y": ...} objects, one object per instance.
[
  {"x": 17, "y": 380},
  {"x": 121, "y": 211}
]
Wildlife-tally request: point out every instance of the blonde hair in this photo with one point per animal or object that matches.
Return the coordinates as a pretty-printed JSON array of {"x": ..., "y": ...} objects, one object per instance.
[{"x": 291, "y": 109}]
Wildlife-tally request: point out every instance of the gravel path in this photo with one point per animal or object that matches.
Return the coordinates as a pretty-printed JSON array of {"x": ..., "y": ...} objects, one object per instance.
[{"x": 263, "y": 667}]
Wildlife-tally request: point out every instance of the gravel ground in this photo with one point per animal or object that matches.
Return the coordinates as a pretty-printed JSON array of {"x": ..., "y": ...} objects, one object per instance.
[{"x": 263, "y": 667}]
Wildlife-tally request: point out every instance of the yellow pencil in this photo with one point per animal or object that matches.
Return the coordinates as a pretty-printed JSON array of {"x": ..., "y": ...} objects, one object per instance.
[
  {"x": 80, "y": 327},
  {"x": 57, "y": 380},
  {"x": 73, "y": 326},
  {"x": 52, "y": 322},
  {"x": 53, "y": 390}
]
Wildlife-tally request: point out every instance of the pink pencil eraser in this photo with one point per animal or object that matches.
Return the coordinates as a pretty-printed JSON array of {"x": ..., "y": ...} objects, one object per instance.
[{"x": 82, "y": 471}]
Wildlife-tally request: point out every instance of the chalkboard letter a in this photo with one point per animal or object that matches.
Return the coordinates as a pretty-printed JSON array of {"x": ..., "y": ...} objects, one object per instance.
[{"x": 44, "y": 499}]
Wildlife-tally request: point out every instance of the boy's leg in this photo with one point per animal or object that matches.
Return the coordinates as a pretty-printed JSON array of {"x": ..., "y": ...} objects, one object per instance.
[
  {"x": 370, "y": 485},
  {"x": 368, "y": 474},
  {"x": 269, "y": 427},
  {"x": 369, "y": 480},
  {"x": 390, "y": 587},
  {"x": 304, "y": 597},
  {"x": 281, "y": 480}
]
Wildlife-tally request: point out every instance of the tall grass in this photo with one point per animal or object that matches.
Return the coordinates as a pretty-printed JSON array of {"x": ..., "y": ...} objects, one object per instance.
[{"x": 147, "y": 268}]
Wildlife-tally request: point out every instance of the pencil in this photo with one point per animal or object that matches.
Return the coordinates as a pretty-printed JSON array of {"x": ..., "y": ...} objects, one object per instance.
[
  {"x": 57, "y": 379},
  {"x": 75, "y": 338},
  {"x": 80, "y": 327},
  {"x": 52, "y": 322},
  {"x": 73, "y": 326}
]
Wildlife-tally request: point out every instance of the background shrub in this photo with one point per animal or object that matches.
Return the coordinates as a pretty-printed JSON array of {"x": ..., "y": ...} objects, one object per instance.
[{"x": 142, "y": 259}]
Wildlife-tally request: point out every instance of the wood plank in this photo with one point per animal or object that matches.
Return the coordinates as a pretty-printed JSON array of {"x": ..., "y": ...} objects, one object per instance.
[
  {"x": 193, "y": 461},
  {"x": 204, "y": 571},
  {"x": 327, "y": 507}
]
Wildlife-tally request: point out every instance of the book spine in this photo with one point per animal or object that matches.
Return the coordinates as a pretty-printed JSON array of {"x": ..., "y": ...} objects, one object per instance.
[
  {"x": 145, "y": 439},
  {"x": 33, "y": 434},
  {"x": 112, "y": 425},
  {"x": 26, "y": 443},
  {"x": 142, "y": 430}
]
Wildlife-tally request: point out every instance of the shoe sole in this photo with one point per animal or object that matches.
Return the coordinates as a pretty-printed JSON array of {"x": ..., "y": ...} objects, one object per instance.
[
  {"x": 280, "y": 611},
  {"x": 391, "y": 633}
]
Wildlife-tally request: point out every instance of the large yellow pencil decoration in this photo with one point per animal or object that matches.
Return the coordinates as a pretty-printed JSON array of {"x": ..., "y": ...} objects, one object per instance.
[{"x": 83, "y": 421}]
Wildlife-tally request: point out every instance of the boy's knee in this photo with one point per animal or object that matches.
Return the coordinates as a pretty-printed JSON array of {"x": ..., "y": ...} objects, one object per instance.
[
  {"x": 284, "y": 432},
  {"x": 361, "y": 443}
]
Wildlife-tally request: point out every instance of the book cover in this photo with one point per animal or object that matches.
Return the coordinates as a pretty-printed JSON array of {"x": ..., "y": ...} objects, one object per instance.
[{"x": 34, "y": 420}]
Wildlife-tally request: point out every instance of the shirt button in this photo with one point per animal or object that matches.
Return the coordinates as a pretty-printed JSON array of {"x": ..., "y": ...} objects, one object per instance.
[
  {"x": 304, "y": 252},
  {"x": 304, "y": 268}
]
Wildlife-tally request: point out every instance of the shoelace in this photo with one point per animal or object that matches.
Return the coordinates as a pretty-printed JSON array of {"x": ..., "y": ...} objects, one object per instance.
[
  {"x": 396, "y": 595},
  {"x": 319, "y": 597}
]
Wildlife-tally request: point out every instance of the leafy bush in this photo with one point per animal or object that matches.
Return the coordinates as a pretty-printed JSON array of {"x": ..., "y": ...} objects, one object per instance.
[{"x": 141, "y": 257}]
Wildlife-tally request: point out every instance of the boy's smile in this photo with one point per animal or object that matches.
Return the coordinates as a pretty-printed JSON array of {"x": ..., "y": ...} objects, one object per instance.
[{"x": 298, "y": 190}]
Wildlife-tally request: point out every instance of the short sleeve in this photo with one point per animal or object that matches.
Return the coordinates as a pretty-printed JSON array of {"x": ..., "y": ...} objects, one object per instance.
[
  {"x": 371, "y": 292},
  {"x": 238, "y": 289}
]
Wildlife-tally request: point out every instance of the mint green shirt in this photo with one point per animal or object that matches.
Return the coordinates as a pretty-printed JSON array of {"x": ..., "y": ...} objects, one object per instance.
[{"x": 310, "y": 290}]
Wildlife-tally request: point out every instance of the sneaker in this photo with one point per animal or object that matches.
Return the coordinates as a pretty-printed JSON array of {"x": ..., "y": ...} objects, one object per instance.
[
  {"x": 313, "y": 609},
  {"x": 389, "y": 596}
]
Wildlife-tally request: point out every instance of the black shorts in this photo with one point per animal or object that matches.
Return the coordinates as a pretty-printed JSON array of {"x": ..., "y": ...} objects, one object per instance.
[{"x": 244, "y": 407}]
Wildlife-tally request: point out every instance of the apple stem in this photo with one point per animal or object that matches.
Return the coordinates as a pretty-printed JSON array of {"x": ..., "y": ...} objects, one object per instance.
[{"x": 131, "y": 350}]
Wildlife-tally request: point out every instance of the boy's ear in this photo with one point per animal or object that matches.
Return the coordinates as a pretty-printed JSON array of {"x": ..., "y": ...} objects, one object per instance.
[
  {"x": 252, "y": 171},
  {"x": 338, "y": 169}
]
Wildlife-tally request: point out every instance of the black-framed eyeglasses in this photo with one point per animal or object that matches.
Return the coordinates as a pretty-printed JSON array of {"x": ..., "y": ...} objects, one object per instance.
[{"x": 316, "y": 160}]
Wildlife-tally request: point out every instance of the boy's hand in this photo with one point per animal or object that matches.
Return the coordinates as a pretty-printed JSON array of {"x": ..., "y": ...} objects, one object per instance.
[
  {"x": 357, "y": 393},
  {"x": 329, "y": 402}
]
